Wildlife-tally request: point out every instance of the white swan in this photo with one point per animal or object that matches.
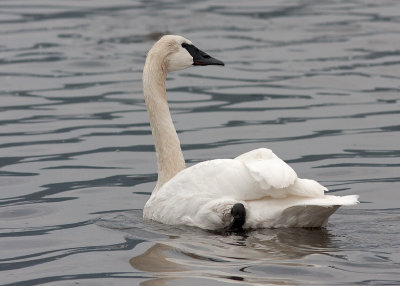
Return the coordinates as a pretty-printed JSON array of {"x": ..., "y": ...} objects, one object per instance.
[{"x": 254, "y": 190}]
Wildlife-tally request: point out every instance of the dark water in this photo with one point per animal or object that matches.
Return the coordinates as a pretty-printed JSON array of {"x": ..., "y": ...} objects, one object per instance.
[{"x": 316, "y": 81}]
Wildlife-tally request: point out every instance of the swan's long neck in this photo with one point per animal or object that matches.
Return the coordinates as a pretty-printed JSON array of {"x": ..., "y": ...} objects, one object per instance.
[{"x": 169, "y": 154}]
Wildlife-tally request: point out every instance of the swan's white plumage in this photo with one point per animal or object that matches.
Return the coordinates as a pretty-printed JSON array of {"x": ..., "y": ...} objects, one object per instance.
[
  {"x": 268, "y": 170},
  {"x": 203, "y": 195}
]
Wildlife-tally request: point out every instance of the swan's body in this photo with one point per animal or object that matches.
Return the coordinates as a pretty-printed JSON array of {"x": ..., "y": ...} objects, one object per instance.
[{"x": 206, "y": 195}]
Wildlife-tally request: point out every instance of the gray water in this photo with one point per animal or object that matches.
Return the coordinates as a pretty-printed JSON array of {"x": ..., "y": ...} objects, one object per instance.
[{"x": 316, "y": 81}]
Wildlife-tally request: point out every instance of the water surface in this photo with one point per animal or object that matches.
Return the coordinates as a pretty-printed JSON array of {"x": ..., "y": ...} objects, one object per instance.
[{"x": 317, "y": 82}]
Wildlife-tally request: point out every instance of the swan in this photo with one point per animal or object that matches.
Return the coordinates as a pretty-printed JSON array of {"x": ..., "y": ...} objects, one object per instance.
[{"x": 254, "y": 190}]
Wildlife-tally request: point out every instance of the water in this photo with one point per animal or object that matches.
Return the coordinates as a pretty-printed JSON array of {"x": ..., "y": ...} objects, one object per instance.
[{"x": 316, "y": 81}]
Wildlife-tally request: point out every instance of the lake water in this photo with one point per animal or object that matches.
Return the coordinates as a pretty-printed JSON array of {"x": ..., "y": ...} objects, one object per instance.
[{"x": 316, "y": 81}]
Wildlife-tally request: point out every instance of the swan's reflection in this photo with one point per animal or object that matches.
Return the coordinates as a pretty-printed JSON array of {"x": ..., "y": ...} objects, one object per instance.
[
  {"x": 155, "y": 260},
  {"x": 197, "y": 254},
  {"x": 186, "y": 254}
]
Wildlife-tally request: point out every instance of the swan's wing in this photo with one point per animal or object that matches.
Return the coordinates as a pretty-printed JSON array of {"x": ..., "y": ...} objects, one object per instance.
[
  {"x": 267, "y": 169},
  {"x": 276, "y": 177},
  {"x": 251, "y": 176}
]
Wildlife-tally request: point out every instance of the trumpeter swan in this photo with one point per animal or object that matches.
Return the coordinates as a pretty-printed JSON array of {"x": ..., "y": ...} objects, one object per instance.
[{"x": 254, "y": 190}]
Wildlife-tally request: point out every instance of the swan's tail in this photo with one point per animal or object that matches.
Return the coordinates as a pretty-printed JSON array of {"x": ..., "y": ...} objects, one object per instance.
[
  {"x": 305, "y": 216},
  {"x": 295, "y": 212}
]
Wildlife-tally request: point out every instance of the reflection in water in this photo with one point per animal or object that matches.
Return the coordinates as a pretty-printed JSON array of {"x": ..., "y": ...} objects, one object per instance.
[
  {"x": 189, "y": 252},
  {"x": 154, "y": 260},
  {"x": 267, "y": 256}
]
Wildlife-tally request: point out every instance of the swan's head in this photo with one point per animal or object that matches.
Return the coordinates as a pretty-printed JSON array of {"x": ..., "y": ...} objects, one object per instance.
[{"x": 177, "y": 53}]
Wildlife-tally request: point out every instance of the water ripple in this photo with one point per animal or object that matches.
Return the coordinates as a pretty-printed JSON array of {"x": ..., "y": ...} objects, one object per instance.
[{"x": 317, "y": 82}]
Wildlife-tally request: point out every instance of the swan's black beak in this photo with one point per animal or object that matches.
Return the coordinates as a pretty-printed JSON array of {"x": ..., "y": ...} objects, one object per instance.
[{"x": 201, "y": 58}]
